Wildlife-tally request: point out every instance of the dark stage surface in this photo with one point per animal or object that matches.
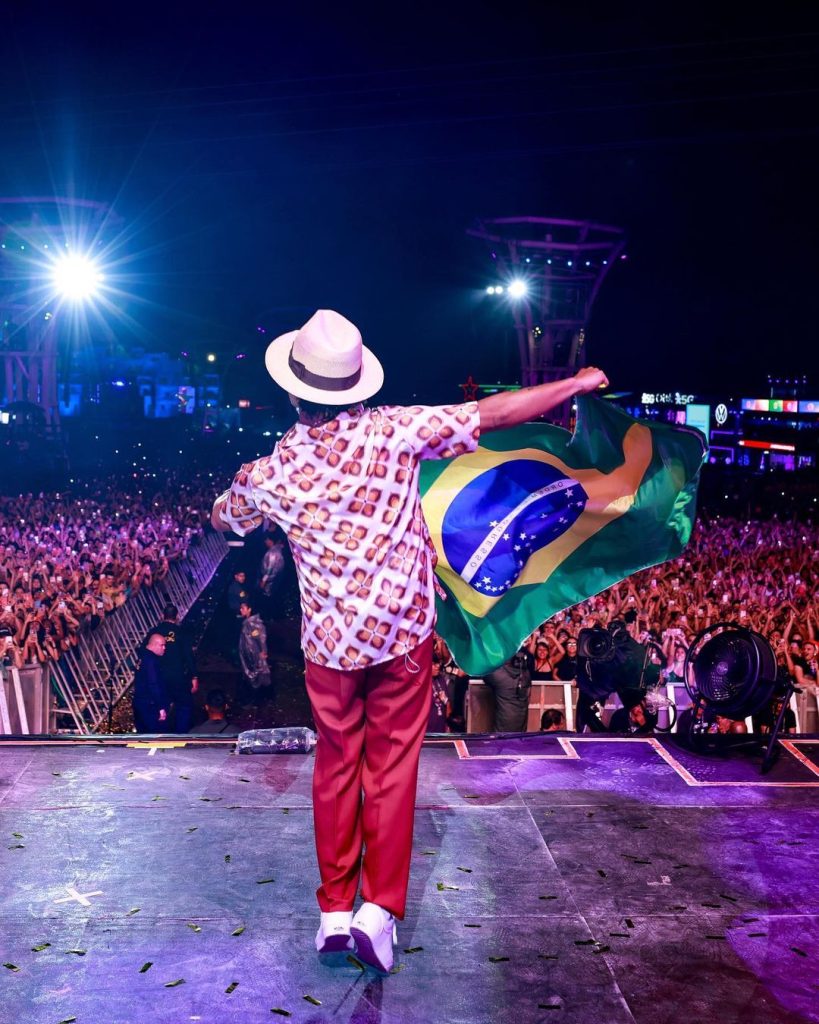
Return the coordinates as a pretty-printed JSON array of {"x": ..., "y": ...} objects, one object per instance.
[{"x": 579, "y": 880}]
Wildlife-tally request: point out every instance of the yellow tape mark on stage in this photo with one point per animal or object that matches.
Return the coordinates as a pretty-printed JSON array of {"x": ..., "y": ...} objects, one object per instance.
[{"x": 162, "y": 745}]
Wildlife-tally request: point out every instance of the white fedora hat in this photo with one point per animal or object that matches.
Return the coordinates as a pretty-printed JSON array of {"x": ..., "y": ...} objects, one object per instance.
[{"x": 325, "y": 361}]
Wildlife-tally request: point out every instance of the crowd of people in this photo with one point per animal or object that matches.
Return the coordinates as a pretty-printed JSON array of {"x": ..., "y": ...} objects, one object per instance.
[
  {"x": 760, "y": 574},
  {"x": 68, "y": 559}
]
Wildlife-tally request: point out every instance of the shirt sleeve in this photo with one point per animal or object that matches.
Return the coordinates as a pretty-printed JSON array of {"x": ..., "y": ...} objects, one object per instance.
[
  {"x": 240, "y": 511},
  {"x": 437, "y": 431}
]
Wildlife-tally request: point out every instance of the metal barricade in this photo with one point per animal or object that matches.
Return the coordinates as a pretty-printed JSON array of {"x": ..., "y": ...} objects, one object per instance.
[
  {"x": 24, "y": 700},
  {"x": 91, "y": 677}
]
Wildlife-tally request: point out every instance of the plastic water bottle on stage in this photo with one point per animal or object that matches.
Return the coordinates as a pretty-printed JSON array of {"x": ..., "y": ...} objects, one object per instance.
[{"x": 289, "y": 740}]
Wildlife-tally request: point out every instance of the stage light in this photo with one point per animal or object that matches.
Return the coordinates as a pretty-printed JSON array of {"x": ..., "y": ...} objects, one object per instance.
[
  {"x": 76, "y": 277},
  {"x": 211, "y": 357},
  {"x": 499, "y": 289},
  {"x": 517, "y": 289},
  {"x": 490, "y": 290}
]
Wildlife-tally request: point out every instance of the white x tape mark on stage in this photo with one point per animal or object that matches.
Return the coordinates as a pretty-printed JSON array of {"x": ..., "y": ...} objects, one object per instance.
[{"x": 78, "y": 896}]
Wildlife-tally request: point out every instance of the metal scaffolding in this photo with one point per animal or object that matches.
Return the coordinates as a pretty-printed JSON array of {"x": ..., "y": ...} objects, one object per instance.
[{"x": 562, "y": 264}]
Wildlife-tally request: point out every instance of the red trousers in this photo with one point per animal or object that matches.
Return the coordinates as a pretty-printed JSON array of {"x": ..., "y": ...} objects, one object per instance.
[{"x": 370, "y": 724}]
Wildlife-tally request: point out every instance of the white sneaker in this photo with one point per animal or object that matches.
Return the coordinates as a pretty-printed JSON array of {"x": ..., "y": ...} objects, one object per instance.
[
  {"x": 333, "y": 935},
  {"x": 374, "y": 932}
]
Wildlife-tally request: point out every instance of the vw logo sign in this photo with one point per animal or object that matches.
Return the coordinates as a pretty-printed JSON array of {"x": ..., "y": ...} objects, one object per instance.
[{"x": 721, "y": 414}]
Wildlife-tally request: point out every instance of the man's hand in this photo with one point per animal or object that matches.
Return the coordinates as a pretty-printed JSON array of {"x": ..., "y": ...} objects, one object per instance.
[
  {"x": 163, "y": 715},
  {"x": 590, "y": 379}
]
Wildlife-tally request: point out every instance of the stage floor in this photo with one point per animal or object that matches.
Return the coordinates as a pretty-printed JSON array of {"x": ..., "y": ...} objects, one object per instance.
[{"x": 575, "y": 879}]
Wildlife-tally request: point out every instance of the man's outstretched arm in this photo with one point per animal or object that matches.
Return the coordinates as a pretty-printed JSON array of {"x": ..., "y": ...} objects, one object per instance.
[{"x": 511, "y": 408}]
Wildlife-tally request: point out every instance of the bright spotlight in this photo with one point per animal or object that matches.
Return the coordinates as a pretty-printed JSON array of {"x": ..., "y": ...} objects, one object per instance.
[
  {"x": 517, "y": 289},
  {"x": 490, "y": 290},
  {"x": 211, "y": 357},
  {"x": 499, "y": 289},
  {"x": 76, "y": 277}
]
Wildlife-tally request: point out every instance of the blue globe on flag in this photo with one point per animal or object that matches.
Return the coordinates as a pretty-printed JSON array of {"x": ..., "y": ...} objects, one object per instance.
[{"x": 502, "y": 517}]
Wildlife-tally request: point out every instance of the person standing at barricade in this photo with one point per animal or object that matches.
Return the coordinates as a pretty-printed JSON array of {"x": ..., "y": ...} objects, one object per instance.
[
  {"x": 511, "y": 685},
  {"x": 150, "y": 698},
  {"x": 178, "y": 668},
  {"x": 343, "y": 484}
]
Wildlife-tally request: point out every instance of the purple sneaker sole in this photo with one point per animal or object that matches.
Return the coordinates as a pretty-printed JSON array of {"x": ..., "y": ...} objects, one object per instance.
[
  {"x": 365, "y": 952},
  {"x": 337, "y": 944}
]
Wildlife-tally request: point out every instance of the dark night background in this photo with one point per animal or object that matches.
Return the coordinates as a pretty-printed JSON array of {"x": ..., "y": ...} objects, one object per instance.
[{"x": 266, "y": 164}]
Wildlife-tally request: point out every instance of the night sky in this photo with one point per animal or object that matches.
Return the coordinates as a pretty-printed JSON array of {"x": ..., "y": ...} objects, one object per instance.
[{"x": 265, "y": 165}]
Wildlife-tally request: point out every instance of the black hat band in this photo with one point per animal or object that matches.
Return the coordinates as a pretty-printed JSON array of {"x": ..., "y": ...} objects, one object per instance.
[{"x": 315, "y": 380}]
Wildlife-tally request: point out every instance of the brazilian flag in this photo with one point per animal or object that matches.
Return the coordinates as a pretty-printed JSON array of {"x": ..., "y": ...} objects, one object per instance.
[{"x": 538, "y": 519}]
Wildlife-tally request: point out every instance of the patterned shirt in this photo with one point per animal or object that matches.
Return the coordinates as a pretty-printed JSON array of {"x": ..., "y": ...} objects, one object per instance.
[{"x": 346, "y": 495}]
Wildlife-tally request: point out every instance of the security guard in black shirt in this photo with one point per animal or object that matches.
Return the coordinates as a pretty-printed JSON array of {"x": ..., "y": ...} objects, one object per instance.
[
  {"x": 150, "y": 697},
  {"x": 178, "y": 668}
]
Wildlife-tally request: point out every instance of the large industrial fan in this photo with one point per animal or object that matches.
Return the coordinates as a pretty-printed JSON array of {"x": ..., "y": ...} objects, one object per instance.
[{"x": 731, "y": 671}]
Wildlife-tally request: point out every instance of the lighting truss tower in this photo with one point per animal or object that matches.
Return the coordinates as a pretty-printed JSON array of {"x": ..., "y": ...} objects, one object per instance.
[
  {"x": 563, "y": 263},
  {"x": 31, "y": 229}
]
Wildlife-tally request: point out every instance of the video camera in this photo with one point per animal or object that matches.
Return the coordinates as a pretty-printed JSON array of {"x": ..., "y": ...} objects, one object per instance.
[{"x": 610, "y": 660}]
